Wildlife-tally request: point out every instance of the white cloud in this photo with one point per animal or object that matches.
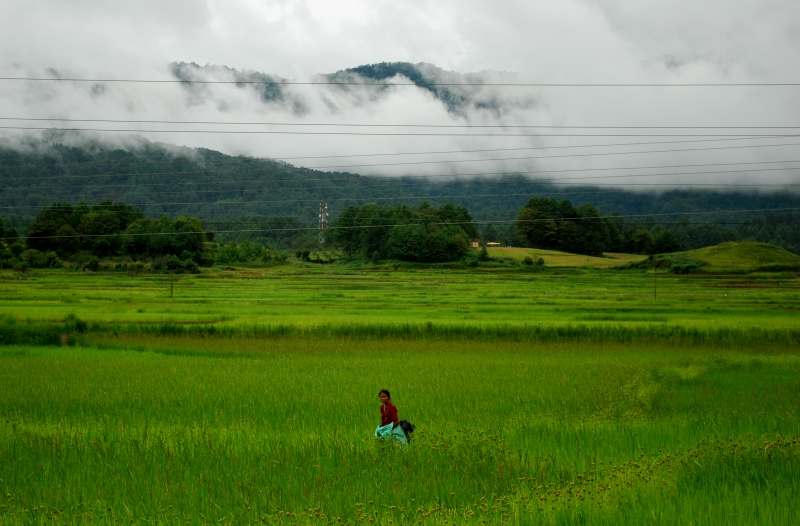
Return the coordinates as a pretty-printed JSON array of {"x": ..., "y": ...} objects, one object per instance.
[{"x": 543, "y": 41}]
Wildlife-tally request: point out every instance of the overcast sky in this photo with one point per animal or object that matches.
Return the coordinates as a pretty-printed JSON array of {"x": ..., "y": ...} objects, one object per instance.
[{"x": 559, "y": 41}]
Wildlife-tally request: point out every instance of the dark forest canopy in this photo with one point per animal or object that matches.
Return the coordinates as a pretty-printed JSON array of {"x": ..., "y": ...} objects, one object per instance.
[
  {"x": 422, "y": 234},
  {"x": 107, "y": 229},
  {"x": 165, "y": 179},
  {"x": 558, "y": 225},
  {"x": 258, "y": 197}
]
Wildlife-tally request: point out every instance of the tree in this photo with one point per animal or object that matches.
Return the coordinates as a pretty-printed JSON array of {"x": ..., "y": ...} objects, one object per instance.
[
  {"x": 99, "y": 231},
  {"x": 665, "y": 242},
  {"x": 613, "y": 222},
  {"x": 593, "y": 235},
  {"x": 41, "y": 235},
  {"x": 426, "y": 234},
  {"x": 642, "y": 242},
  {"x": 67, "y": 242},
  {"x": 407, "y": 242},
  {"x": 537, "y": 222},
  {"x": 10, "y": 235},
  {"x": 490, "y": 233}
]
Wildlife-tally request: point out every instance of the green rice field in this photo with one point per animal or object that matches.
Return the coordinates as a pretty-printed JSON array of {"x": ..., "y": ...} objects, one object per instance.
[{"x": 570, "y": 396}]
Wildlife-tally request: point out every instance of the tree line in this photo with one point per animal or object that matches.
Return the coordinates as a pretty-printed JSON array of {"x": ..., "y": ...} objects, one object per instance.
[
  {"x": 426, "y": 234},
  {"x": 208, "y": 184},
  {"x": 551, "y": 224},
  {"x": 108, "y": 228},
  {"x": 423, "y": 234}
]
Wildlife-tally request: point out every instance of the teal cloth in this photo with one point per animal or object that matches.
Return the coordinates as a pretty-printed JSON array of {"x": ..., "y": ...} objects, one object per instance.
[{"x": 388, "y": 433}]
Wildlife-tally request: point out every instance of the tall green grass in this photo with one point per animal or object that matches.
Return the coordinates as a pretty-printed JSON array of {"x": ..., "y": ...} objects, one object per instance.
[
  {"x": 13, "y": 332},
  {"x": 159, "y": 428}
]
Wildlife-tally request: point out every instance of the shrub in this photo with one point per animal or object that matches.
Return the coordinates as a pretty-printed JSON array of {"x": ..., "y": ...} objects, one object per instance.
[
  {"x": 528, "y": 261},
  {"x": 75, "y": 324},
  {"x": 92, "y": 264},
  {"x": 203, "y": 259},
  {"x": 167, "y": 264},
  {"x": 17, "y": 249}
]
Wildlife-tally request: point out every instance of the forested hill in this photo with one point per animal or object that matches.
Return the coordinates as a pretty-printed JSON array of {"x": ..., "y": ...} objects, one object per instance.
[{"x": 165, "y": 179}]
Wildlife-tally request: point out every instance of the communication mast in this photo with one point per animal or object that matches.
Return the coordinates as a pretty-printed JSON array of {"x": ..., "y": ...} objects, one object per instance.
[{"x": 323, "y": 221}]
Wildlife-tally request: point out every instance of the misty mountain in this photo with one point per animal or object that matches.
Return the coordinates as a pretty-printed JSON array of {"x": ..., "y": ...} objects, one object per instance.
[
  {"x": 461, "y": 93},
  {"x": 220, "y": 189}
]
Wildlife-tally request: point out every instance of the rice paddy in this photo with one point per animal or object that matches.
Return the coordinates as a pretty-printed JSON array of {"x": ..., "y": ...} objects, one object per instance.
[{"x": 250, "y": 396}]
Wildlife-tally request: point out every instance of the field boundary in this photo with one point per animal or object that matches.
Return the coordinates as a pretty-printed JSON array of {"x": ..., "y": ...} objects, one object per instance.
[{"x": 73, "y": 330}]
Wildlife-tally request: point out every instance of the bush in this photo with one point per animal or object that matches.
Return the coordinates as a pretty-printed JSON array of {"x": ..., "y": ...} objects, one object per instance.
[
  {"x": 674, "y": 263},
  {"x": 35, "y": 259},
  {"x": 93, "y": 264},
  {"x": 203, "y": 259},
  {"x": 16, "y": 249},
  {"x": 665, "y": 242},
  {"x": 167, "y": 264},
  {"x": 74, "y": 323},
  {"x": 19, "y": 266},
  {"x": 528, "y": 261},
  {"x": 189, "y": 266},
  {"x": 11, "y": 235}
]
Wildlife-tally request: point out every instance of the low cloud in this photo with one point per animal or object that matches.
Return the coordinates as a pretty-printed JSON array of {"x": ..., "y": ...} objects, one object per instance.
[{"x": 600, "y": 41}]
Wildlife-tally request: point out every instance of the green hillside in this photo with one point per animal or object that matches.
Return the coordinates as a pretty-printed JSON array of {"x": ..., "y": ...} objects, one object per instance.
[
  {"x": 745, "y": 254},
  {"x": 240, "y": 196},
  {"x": 736, "y": 256}
]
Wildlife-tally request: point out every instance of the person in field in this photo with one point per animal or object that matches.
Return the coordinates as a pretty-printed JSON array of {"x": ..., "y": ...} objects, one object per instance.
[
  {"x": 391, "y": 427},
  {"x": 388, "y": 409}
]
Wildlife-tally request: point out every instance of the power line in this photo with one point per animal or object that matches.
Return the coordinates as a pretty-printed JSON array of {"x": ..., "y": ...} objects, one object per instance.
[
  {"x": 386, "y": 179},
  {"x": 247, "y": 160},
  {"x": 239, "y": 203},
  {"x": 389, "y": 225},
  {"x": 550, "y": 180},
  {"x": 515, "y": 159},
  {"x": 359, "y": 125},
  {"x": 563, "y": 147},
  {"x": 255, "y": 215},
  {"x": 362, "y": 134},
  {"x": 420, "y": 84}
]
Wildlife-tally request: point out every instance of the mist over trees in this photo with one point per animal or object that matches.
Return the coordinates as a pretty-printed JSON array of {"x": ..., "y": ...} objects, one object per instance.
[{"x": 170, "y": 180}]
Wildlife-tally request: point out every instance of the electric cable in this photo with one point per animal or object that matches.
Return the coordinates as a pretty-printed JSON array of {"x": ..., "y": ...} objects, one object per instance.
[
  {"x": 364, "y": 134},
  {"x": 385, "y": 179},
  {"x": 420, "y": 84},
  {"x": 239, "y": 203},
  {"x": 442, "y": 223},
  {"x": 361, "y": 125},
  {"x": 253, "y": 160}
]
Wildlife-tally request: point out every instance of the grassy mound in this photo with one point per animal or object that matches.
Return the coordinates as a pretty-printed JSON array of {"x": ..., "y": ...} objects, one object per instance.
[
  {"x": 741, "y": 256},
  {"x": 749, "y": 255}
]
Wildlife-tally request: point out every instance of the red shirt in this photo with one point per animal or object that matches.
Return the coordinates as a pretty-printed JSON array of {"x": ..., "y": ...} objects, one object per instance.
[{"x": 388, "y": 414}]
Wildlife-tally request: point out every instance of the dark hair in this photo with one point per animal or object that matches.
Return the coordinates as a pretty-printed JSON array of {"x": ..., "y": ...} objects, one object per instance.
[{"x": 389, "y": 396}]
